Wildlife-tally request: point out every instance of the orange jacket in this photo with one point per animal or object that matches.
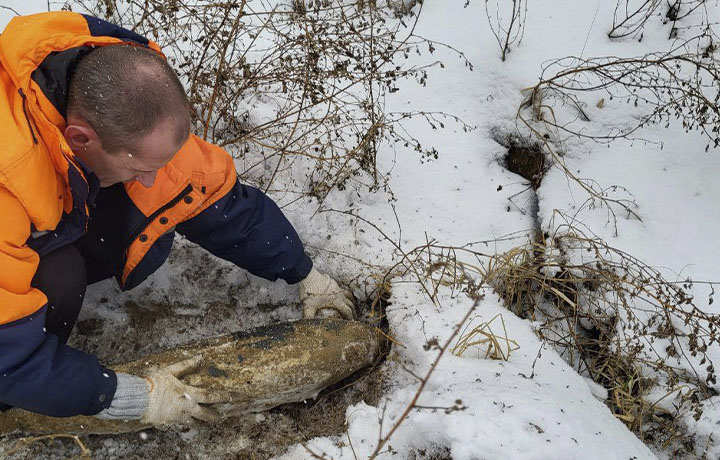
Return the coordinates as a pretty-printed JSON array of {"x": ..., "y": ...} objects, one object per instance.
[
  {"x": 44, "y": 188},
  {"x": 34, "y": 184}
]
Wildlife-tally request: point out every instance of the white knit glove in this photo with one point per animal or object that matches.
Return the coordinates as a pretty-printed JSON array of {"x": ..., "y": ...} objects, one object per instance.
[
  {"x": 320, "y": 292},
  {"x": 171, "y": 401}
]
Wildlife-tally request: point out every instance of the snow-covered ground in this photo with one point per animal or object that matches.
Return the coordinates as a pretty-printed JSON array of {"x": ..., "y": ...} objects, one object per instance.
[{"x": 534, "y": 405}]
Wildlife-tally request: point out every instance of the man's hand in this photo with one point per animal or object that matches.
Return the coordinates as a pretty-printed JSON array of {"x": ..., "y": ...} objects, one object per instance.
[
  {"x": 171, "y": 401},
  {"x": 318, "y": 292}
]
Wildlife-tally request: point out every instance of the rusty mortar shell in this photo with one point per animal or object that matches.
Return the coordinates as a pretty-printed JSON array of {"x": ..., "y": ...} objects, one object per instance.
[{"x": 262, "y": 368}]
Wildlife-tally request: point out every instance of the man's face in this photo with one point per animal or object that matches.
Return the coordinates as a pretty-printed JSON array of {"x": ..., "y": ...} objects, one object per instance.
[{"x": 151, "y": 153}]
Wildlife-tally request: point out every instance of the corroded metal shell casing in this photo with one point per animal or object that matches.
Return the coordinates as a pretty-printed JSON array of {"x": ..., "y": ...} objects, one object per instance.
[{"x": 262, "y": 368}]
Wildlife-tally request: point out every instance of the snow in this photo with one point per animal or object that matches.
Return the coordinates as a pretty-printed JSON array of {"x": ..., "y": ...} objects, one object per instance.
[
  {"x": 506, "y": 414},
  {"x": 534, "y": 405},
  {"x": 10, "y": 8},
  {"x": 456, "y": 200}
]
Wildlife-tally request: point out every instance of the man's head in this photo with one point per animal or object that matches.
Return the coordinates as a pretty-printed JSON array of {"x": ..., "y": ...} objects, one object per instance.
[{"x": 127, "y": 114}]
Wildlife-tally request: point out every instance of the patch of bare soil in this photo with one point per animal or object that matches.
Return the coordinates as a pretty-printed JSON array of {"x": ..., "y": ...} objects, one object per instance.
[
  {"x": 524, "y": 157},
  {"x": 437, "y": 453}
]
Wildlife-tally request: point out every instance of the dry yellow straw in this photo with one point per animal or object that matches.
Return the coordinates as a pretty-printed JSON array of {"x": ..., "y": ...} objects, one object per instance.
[{"x": 482, "y": 337}]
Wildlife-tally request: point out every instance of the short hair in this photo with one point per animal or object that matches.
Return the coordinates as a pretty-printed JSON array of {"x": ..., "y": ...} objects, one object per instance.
[{"x": 123, "y": 92}]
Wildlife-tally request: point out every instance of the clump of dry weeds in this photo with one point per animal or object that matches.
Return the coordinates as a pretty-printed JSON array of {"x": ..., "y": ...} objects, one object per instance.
[{"x": 620, "y": 322}]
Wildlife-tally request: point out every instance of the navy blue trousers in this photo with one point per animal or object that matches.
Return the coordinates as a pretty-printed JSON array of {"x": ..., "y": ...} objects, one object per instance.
[{"x": 62, "y": 276}]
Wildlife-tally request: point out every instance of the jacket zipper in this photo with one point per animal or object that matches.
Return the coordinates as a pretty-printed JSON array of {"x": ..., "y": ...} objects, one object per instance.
[
  {"x": 24, "y": 105},
  {"x": 157, "y": 213}
]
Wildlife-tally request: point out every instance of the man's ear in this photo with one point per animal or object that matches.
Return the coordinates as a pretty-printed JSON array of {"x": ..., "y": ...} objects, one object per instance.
[{"x": 79, "y": 134}]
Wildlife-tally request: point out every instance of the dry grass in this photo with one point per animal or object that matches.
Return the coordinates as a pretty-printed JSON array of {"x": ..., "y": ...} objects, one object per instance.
[
  {"x": 485, "y": 342},
  {"x": 618, "y": 321}
]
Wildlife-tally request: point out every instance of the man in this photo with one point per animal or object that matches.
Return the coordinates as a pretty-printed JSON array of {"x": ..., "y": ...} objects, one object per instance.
[{"x": 98, "y": 171}]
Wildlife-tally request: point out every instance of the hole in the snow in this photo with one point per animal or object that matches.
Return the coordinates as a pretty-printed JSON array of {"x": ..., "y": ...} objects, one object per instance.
[
  {"x": 526, "y": 160},
  {"x": 524, "y": 157}
]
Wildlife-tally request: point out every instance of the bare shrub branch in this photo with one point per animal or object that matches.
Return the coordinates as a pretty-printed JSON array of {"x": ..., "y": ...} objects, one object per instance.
[
  {"x": 681, "y": 84},
  {"x": 507, "y": 27},
  {"x": 630, "y": 17},
  {"x": 413, "y": 403},
  {"x": 294, "y": 85}
]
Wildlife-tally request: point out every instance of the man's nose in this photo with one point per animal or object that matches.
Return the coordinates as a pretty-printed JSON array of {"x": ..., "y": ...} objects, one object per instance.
[{"x": 147, "y": 179}]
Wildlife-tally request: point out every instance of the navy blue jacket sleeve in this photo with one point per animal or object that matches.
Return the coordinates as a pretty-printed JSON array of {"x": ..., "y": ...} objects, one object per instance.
[
  {"x": 247, "y": 228},
  {"x": 39, "y": 374}
]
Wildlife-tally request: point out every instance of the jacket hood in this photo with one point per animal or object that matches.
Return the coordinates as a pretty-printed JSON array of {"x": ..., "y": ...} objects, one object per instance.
[{"x": 42, "y": 48}]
